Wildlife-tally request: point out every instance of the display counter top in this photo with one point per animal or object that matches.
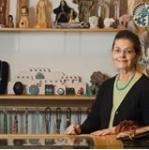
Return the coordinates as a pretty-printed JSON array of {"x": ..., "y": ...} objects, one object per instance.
[{"x": 60, "y": 141}]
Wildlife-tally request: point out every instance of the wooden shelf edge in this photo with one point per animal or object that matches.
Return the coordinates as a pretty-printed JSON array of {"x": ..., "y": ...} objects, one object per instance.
[
  {"x": 44, "y": 97},
  {"x": 57, "y": 30},
  {"x": 31, "y": 136}
]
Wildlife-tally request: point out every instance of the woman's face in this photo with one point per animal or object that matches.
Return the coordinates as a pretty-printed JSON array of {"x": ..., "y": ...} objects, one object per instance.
[{"x": 123, "y": 55}]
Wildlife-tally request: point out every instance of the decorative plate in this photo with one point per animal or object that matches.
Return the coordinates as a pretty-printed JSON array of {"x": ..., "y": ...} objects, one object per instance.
[{"x": 141, "y": 14}]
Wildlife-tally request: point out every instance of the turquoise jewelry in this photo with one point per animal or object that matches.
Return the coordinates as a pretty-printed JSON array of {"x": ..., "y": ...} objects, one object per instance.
[
  {"x": 35, "y": 126},
  {"x": 79, "y": 116},
  {"x": 48, "y": 112},
  {"x": 5, "y": 122},
  {"x": 26, "y": 120},
  {"x": 10, "y": 122},
  {"x": 58, "y": 119},
  {"x": 16, "y": 122},
  {"x": 37, "y": 122},
  {"x": 126, "y": 85},
  {"x": 68, "y": 117},
  {"x": 21, "y": 122}
]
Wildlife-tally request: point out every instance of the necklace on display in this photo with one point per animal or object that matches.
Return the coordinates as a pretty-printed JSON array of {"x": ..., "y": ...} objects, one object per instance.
[
  {"x": 1, "y": 70},
  {"x": 126, "y": 85}
]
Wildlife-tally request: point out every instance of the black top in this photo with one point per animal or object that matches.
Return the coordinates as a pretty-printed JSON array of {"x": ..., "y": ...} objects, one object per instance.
[{"x": 135, "y": 106}]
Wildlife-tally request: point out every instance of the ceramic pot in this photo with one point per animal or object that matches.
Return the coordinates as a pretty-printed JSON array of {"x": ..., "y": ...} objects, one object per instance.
[{"x": 18, "y": 88}]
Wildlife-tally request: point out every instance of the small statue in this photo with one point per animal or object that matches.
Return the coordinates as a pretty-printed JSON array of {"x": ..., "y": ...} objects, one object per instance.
[
  {"x": 93, "y": 21},
  {"x": 64, "y": 14},
  {"x": 10, "y": 23},
  {"x": 20, "y": 4},
  {"x": 84, "y": 9},
  {"x": 108, "y": 22},
  {"x": 100, "y": 22},
  {"x": 3, "y": 12},
  {"x": 72, "y": 16},
  {"x": 18, "y": 88},
  {"x": 97, "y": 79},
  {"x": 124, "y": 21},
  {"x": 41, "y": 15},
  {"x": 24, "y": 18},
  {"x": 116, "y": 4}
]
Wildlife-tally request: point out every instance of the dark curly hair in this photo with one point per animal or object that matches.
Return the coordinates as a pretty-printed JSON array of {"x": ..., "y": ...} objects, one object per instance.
[{"x": 126, "y": 34}]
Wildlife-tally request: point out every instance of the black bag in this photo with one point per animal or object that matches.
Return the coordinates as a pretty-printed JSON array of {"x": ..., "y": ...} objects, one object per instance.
[{"x": 4, "y": 75}]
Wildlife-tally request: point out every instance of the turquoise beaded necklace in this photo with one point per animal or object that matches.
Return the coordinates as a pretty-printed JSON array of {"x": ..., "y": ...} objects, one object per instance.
[{"x": 126, "y": 85}]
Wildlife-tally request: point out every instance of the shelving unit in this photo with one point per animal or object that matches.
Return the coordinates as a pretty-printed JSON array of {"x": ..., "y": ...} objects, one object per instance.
[{"x": 16, "y": 107}]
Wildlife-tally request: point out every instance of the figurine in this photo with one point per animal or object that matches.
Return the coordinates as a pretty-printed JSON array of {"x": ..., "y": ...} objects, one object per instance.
[
  {"x": 108, "y": 22},
  {"x": 10, "y": 23},
  {"x": 124, "y": 21},
  {"x": 3, "y": 11},
  {"x": 24, "y": 18},
  {"x": 20, "y": 4},
  {"x": 97, "y": 79},
  {"x": 100, "y": 22},
  {"x": 100, "y": 8},
  {"x": 18, "y": 88},
  {"x": 34, "y": 89},
  {"x": 93, "y": 21},
  {"x": 118, "y": 8},
  {"x": 103, "y": 10},
  {"x": 72, "y": 16},
  {"x": 41, "y": 14},
  {"x": 116, "y": 5},
  {"x": 62, "y": 12},
  {"x": 84, "y": 11}
]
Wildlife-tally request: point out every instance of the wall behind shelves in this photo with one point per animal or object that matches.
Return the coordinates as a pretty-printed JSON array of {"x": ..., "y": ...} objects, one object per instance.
[{"x": 70, "y": 52}]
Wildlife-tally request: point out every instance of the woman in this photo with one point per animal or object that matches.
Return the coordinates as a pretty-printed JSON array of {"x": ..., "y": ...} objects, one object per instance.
[{"x": 123, "y": 97}]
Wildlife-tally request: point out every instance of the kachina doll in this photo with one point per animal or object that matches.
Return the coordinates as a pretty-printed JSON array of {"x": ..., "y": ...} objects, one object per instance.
[
  {"x": 10, "y": 23},
  {"x": 41, "y": 14},
  {"x": 63, "y": 13}
]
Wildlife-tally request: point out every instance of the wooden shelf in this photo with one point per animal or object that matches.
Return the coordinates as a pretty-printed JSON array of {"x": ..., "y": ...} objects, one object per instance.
[
  {"x": 57, "y": 30},
  {"x": 45, "y": 97}
]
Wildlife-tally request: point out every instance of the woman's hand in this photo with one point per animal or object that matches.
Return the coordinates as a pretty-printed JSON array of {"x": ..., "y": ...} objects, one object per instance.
[
  {"x": 107, "y": 131},
  {"x": 73, "y": 129}
]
